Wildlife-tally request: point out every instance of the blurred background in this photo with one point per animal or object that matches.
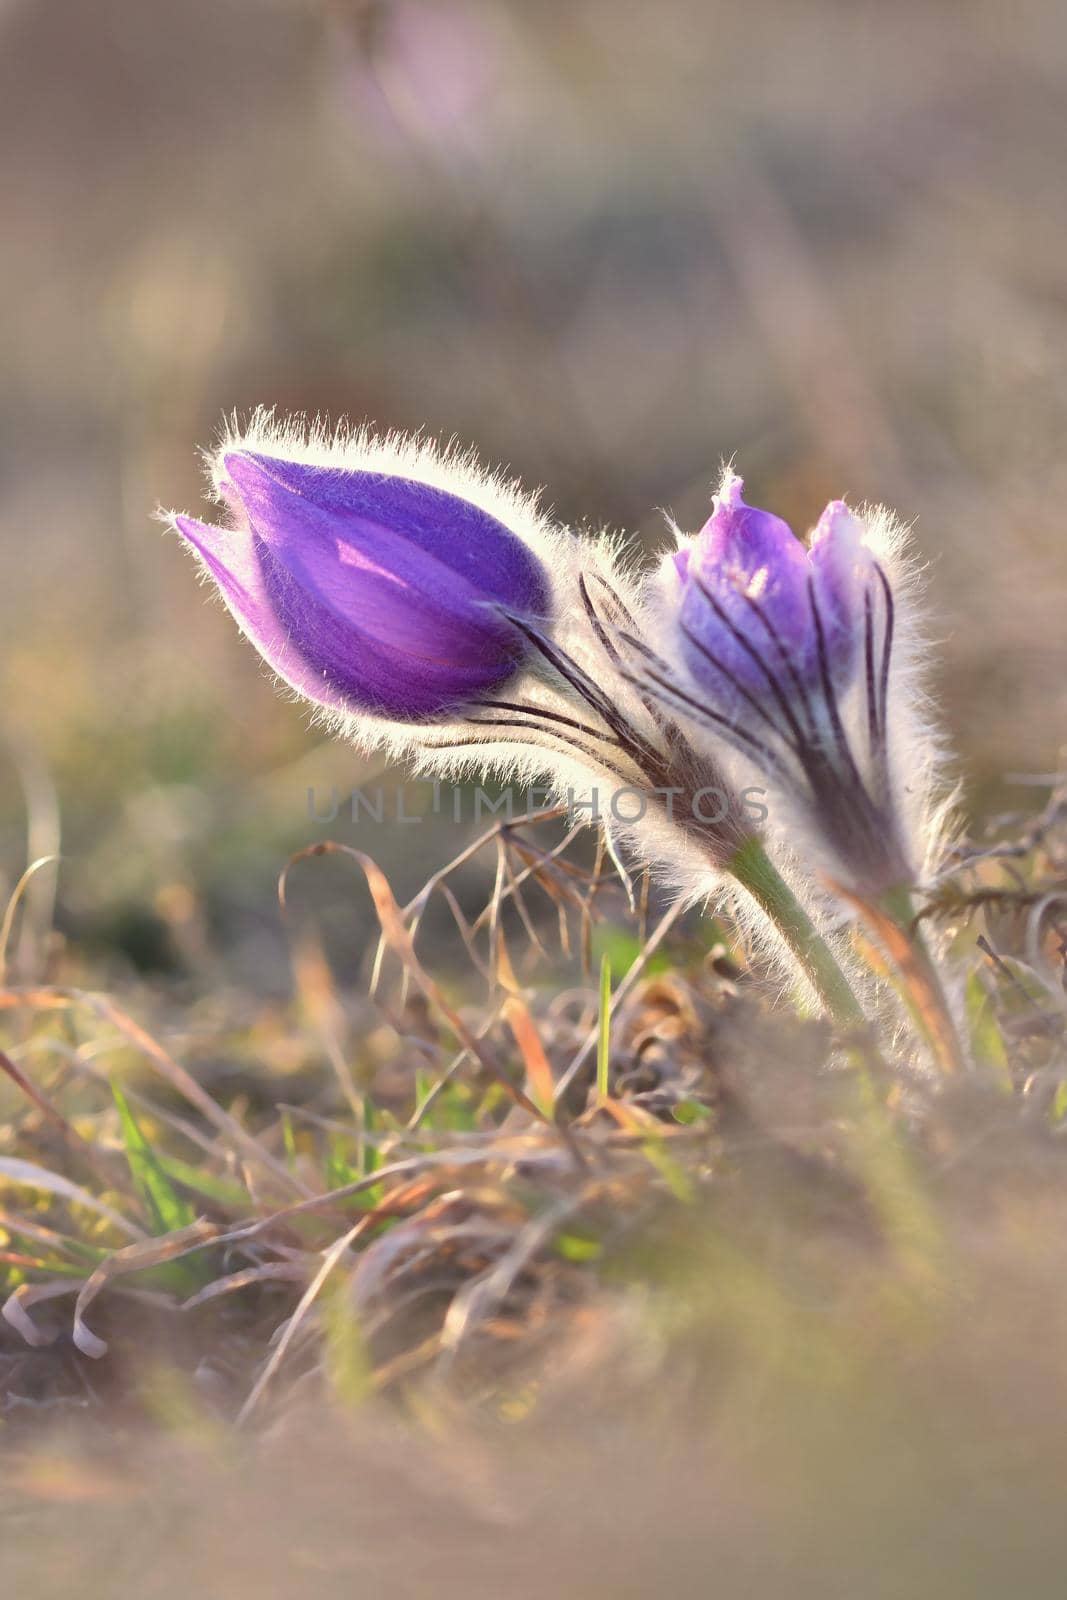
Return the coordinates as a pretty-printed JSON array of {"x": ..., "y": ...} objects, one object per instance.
[{"x": 609, "y": 243}]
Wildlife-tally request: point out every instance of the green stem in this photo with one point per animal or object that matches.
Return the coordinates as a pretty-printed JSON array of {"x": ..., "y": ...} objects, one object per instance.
[
  {"x": 882, "y": 1160},
  {"x": 924, "y": 989},
  {"x": 753, "y": 869}
]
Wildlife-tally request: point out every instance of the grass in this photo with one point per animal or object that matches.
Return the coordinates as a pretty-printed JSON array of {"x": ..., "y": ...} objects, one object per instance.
[
  {"x": 517, "y": 1196},
  {"x": 603, "y": 1052}
]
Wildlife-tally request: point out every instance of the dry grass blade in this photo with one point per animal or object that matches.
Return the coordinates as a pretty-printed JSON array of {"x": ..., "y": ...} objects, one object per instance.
[
  {"x": 32, "y": 1176},
  {"x": 654, "y": 1142},
  {"x": 466, "y": 933},
  {"x": 558, "y": 879},
  {"x": 514, "y": 888},
  {"x": 500, "y": 832},
  {"x": 1034, "y": 925},
  {"x": 8, "y": 922},
  {"x": 47, "y": 1110},
  {"x": 634, "y": 972},
  {"x": 539, "y": 1147},
  {"x": 316, "y": 988},
  {"x": 329, "y": 1260},
  {"x": 54, "y": 998},
  {"x": 83, "y": 1059},
  {"x": 399, "y": 937},
  {"x": 10, "y": 1223},
  {"x": 477, "y": 1300},
  {"x": 921, "y": 986},
  {"x": 134, "y": 1258},
  {"x": 441, "y": 1083},
  {"x": 16, "y": 1309},
  {"x": 269, "y": 1272},
  {"x": 548, "y": 814},
  {"x": 431, "y": 1235},
  {"x": 538, "y": 1067}
]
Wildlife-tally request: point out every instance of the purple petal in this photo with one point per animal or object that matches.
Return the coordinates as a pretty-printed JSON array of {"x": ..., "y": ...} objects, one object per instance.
[
  {"x": 366, "y": 591},
  {"x": 363, "y": 673},
  {"x": 841, "y": 566},
  {"x": 314, "y": 651},
  {"x": 371, "y": 506},
  {"x": 373, "y": 579},
  {"x": 231, "y": 559},
  {"x": 745, "y": 604}
]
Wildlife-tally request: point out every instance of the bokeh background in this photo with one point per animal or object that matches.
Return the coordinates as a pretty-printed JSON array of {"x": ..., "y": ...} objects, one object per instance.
[{"x": 609, "y": 242}]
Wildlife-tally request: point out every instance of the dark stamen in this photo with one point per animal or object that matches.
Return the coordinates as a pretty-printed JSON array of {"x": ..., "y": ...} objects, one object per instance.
[
  {"x": 526, "y": 728},
  {"x": 641, "y": 648},
  {"x": 545, "y": 715},
  {"x": 620, "y": 605},
  {"x": 607, "y": 643}
]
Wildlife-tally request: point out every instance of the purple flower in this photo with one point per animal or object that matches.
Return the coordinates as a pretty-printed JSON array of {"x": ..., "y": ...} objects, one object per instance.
[
  {"x": 759, "y": 614},
  {"x": 784, "y": 653},
  {"x": 366, "y": 591}
]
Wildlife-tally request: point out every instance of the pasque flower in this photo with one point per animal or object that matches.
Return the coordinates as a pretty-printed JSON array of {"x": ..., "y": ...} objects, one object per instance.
[
  {"x": 429, "y": 607},
  {"x": 370, "y": 592},
  {"x": 785, "y": 653}
]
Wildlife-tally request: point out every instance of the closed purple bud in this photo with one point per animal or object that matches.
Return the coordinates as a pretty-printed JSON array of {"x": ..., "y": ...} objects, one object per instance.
[{"x": 369, "y": 592}]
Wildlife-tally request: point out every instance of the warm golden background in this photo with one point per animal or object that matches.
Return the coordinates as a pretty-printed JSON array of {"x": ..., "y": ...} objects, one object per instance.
[{"x": 609, "y": 242}]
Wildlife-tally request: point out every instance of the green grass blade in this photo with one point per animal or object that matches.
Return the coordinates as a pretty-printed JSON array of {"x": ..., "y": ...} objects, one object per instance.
[
  {"x": 603, "y": 1045},
  {"x": 222, "y": 1191},
  {"x": 166, "y": 1209},
  {"x": 987, "y": 1043}
]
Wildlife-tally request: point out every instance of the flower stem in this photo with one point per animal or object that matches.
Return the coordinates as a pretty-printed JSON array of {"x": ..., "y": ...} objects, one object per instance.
[
  {"x": 924, "y": 990},
  {"x": 753, "y": 869}
]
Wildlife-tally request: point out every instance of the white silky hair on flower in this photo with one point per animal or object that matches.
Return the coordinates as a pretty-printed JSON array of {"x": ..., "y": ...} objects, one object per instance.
[
  {"x": 689, "y": 861},
  {"x": 921, "y": 799},
  {"x": 314, "y": 442},
  {"x": 919, "y": 755},
  {"x": 572, "y": 718},
  {"x": 594, "y": 778},
  {"x": 547, "y": 752},
  {"x": 423, "y": 460}
]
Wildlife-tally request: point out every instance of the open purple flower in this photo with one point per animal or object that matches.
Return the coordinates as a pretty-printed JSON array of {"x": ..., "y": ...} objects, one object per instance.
[
  {"x": 369, "y": 592},
  {"x": 784, "y": 653}
]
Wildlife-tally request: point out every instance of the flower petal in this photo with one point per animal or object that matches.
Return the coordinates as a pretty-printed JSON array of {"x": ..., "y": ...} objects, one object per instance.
[
  {"x": 745, "y": 600},
  {"x": 841, "y": 565},
  {"x": 407, "y": 563},
  {"x": 315, "y": 651}
]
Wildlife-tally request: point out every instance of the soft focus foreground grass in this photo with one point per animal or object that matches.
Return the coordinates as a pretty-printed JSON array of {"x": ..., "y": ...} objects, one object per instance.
[
  {"x": 730, "y": 1318},
  {"x": 800, "y": 1422}
]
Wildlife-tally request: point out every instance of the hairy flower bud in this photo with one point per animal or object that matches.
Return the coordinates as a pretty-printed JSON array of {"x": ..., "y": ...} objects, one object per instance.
[
  {"x": 400, "y": 587},
  {"x": 784, "y": 652},
  {"x": 367, "y": 591}
]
